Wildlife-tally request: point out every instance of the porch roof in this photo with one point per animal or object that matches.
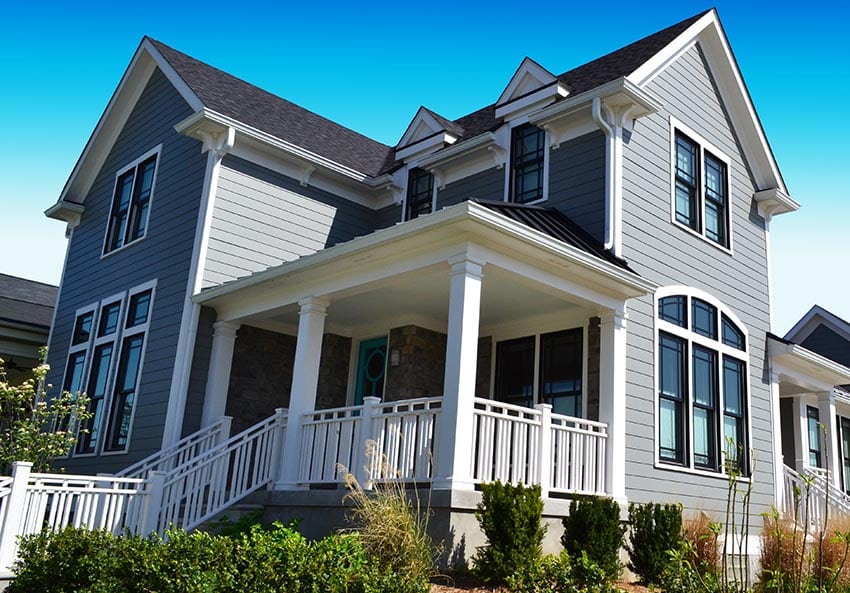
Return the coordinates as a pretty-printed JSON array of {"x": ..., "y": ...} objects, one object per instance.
[
  {"x": 468, "y": 228},
  {"x": 801, "y": 369}
]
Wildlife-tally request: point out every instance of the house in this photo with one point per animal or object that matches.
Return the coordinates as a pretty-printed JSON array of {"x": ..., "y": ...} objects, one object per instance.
[
  {"x": 569, "y": 286},
  {"x": 811, "y": 364},
  {"x": 26, "y": 311}
]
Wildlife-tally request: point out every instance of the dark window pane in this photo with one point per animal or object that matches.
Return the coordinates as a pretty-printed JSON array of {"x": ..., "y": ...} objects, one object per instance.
[
  {"x": 673, "y": 309},
  {"x": 705, "y": 405},
  {"x": 125, "y": 391},
  {"x": 561, "y": 371},
  {"x": 672, "y": 361},
  {"x": 527, "y": 158},
  {"x": 97, "y": 392},
  {"x": 420, "y": 193},
  {"x": 139, "y": 308},
  {"x": 734, "y": 420},
  {"x": 716, "y": 203},
  {"x": 671, "y": 398},
  {"x": 686, "y": 182},
  {"x": 733, "y": 385},
  {"x": 74, "y": 373},
  {"x": 705, "y": 376},
  {"x": 515, "y": 371},
  {"x": 814, "y": 433},
  {"x": 108, "y": 319},
  {"x": 704, "y": 318},
  {"x": 82, "y": 329},
  {"x": 732, "y": 336},
  {"x": 142, "y": 194}
]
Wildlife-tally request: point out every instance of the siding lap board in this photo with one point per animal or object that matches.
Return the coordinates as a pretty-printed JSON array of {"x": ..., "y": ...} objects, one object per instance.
[
  {"x": 170, "y": 238},
  {"x": 665, "y": 253}
]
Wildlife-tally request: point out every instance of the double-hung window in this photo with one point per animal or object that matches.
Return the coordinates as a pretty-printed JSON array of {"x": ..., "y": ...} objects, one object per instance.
[
  {"x": 528, "y": 161},
  {"x": 104, "y": 361},
  {"x": 128, "y": 217},
  {"x": 702, "y": 385},
  {"x": 700, "y": 188},
  {"x": 420, "y": 193}
]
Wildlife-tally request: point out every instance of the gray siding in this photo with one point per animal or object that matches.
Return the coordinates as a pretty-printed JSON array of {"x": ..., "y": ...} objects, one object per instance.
[
  {"x": 486, "y": 185},
  {"x": 577, "y": 182},
  {"x": 164, "y": 254},
  {"x": 667, "y": 254},
  {"x": 263, "y": 218},
  {"x": 200, "y": 369},
  {"x": 827, "y": 343},
  {"x": 387, "y": 216}
]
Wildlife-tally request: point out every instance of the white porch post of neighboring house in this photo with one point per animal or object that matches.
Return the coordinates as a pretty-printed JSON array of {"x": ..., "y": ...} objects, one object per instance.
[
  {"x": 826, "y": 415},
  {"x": 218, "y": 376},
  {"x": 801, "y": 435},
  {"x": 454, "y": 448},
  {"x": 612, "y": 398},
  {"x": 778, "y": 462},
  {"x": 305, "y": 382}
]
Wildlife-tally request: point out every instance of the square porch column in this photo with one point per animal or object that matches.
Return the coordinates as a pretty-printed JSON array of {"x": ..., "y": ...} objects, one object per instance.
[
  {"x": 453, "y": 468},
  {"x": 305, "y": 382},
  {"x": 218, "y": 376},
  {"x": 827, "y": 417},
  {"x": 612, "y": 398}
]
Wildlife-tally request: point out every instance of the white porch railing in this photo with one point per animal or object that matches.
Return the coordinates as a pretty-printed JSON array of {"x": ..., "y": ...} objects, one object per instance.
[
  {"x": 191, "y": 447},
  {"x": 808, "y": 494},
  {"x": 403, "y": 433},
  {"x": 533, "y": 446}
]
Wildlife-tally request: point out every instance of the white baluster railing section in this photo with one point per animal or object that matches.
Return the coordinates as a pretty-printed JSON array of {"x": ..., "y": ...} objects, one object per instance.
[
  {"x": 506, "y": 443},
  {"x": 200, "y": 489},
  {"x": 806, "y": 495},
  {"x": 189, "y": 448},
  {"x": 578, "y": 455},
  {"x": 404, "y": 436},
  {"x": 329, "y": 441}
]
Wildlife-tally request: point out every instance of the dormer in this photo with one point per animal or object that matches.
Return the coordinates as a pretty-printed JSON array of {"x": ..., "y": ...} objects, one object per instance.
[
  {"x": 531, "y": 87},
  {"x": 427, "y": 133}
]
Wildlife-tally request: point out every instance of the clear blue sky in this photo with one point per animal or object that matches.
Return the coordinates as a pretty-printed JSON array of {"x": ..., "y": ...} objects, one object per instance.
[{"x": 370, "y": 65}]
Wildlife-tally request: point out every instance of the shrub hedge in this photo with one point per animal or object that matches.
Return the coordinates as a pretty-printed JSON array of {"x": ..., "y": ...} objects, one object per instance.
[{"x": 594, "y": 527}]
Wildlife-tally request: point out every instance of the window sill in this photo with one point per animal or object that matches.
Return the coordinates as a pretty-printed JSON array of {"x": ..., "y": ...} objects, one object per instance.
[
  {"x": 698, "y": 472},
  {"x": 123, "y": 247},
  {"x": 690, "y": 231}
]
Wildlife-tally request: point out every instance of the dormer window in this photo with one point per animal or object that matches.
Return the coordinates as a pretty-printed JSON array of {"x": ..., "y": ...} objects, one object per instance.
[
  {"x": 128, "y": 220},
  {"x": 420, "y": 193},
  {"x": 528, "y": 153},
  {"x": 700, "y": 188}
]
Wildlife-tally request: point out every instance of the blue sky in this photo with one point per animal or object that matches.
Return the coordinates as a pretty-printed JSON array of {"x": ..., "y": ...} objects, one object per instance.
[{"x": 370, "y": 65}]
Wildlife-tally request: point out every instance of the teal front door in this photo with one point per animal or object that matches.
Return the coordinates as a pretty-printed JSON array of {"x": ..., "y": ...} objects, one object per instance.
[{"x": 371, "y": 367}]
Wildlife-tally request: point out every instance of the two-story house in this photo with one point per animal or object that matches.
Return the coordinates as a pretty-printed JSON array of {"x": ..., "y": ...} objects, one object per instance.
[{"x": 570, "y": 286}]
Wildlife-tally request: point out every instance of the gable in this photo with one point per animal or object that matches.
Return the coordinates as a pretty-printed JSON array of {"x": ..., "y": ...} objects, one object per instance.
[
  {"x": 530, "y": 86},
  {"x": 828, "y": 343}
]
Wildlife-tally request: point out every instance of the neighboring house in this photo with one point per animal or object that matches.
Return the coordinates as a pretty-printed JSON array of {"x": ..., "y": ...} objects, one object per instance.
[
  {"x": 572, "y": 282},
  {"x": 812, "y": 367},
  {"x": 26, "y": 312}
]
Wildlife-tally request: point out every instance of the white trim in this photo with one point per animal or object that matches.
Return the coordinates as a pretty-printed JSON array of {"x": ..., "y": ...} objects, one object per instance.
[
  {"x": 426, "y": 145},
  {"x": 704, "y": 146},
  {"x": 156, "y": 150},
  {"x": 804, "y": 328},
  {"x": 722, "y": 350},
  {"x": 528, "y": 68},
  {"x": 537, "y": 100}
]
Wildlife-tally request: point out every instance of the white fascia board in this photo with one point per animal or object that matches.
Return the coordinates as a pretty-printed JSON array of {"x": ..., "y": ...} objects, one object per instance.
[
  {"x": 772, "y": 202},
  {"x": 810, "y": 364},
  {"x": 458, "y": 150},
  {"x": 545, "y": 95},
  {"x": 426, "y": 145},
  {"x": 206, "y": 116},
  {"x": 528, "y": 67},
  {"x": 619, "y": 91},
  {"x": 708, "y": 32},
  {"x": 111, "y": 122},
  {"x": 69, "y": 212},
  {"x": 469, "y": 216},
  {"x": 422, "y": 116}
]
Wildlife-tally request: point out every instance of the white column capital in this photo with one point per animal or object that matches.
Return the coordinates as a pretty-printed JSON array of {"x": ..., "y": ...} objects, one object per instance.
[
  {"x": 468, "y": 266},
  {"x": 826, "y": 397},
  {"x": 313, "y": 304},
  {"x": 225, "y": 328},
  {"x": 618, "y": 318}
]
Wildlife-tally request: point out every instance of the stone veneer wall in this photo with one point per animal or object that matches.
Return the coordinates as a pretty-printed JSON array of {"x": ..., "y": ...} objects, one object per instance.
[
  {"x": 482, "y": 372},
  {"x": 260, "y": 377},
  {"x": 420, "y": 371},
  {"x": 593, "y": 354},
  {"x": 333, "y": 372}
]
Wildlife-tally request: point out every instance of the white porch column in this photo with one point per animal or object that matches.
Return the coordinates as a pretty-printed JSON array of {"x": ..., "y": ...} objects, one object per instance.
[
  {"x": 612, "y": 398},
  {"x": 305, "y": 381},
  {"x": 218, "y": 375},
  {"x": 453, "y": 470},
  {"x": 801, "y": 435},
  {"x": 826, "y": 414},
  {"x": 778, "y": 463}
]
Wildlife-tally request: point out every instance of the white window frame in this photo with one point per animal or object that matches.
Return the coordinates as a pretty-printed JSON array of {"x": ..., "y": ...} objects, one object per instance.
[
  {"x": 722, "y": 350},
  {"x": 703, "y": 146},
  {"x": 117, "y": 338},
  {"x": 509, "y": 162},
  {"x": 157, "y": 150},
  {"x": 408, "y": 169}
]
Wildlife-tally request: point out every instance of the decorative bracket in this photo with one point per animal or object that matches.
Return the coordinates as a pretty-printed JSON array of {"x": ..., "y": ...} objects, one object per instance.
[
  {"x": 499, "y": 155},
  {"x": 306, "y": 173},
  {"x": 220, "y": 142},
  {"x": 439, "y": 179}
]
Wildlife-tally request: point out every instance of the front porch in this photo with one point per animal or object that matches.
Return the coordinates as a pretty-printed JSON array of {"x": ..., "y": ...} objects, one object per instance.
[{"x": 452, "y": 350}]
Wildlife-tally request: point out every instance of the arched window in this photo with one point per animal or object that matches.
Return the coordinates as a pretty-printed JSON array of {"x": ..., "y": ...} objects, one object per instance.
[{"x": 702, "y": 383}]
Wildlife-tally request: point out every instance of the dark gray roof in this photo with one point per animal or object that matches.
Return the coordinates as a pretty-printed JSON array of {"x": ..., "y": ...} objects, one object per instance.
[
  {"x": 246, "y": 103},
  {"x": 557, "y": 225},
  {"x": 26, "y": 301},
  {"x": 251, "y": 105}
]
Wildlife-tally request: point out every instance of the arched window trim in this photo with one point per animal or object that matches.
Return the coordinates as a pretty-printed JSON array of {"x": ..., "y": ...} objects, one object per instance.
[{"x": 691, "y": 338}]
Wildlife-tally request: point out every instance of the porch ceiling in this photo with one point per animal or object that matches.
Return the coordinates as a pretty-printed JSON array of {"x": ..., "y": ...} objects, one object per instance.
[{"x": 422, "y": 297}]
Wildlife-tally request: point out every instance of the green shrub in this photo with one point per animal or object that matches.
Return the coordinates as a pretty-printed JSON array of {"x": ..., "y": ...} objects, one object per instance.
[
  {"x": 656, "y": 529},
  {"x": 594, "y": 527},
  {"x": 510, "y": 517},
  {"x": 562, "y": 575},
  {"x": 680, "y": 575}
]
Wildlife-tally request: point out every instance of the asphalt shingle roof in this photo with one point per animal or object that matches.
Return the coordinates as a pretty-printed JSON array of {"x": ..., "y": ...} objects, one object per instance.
[
  {"x": 251, "y": 105},
  {"x": 26, "y": 301}
]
